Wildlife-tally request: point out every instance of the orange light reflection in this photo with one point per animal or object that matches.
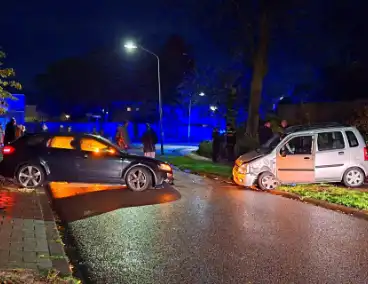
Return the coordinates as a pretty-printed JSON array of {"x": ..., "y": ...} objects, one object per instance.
[{"x": 64, "y": 189}]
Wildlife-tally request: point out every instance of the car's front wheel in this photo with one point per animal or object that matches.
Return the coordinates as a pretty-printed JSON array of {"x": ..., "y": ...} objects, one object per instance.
[
  {"x": 138, "y": 179},
  {"x": 267, "y": 181},
  {"x": 30, "y": 176}
]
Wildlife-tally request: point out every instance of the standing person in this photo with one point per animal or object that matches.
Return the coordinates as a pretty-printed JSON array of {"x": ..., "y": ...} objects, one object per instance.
[
  {"x": 126, "y": 134},
  {"x": 119, "y": 137},
  {"x": 69, "y": 129},
  {"x": 230, "y": 137},
  {"x": 216, "y": 144},
  {"x": 149, "y": 140},
  {"x": 10, "y": 131},
  {"x": 284, "y": 124},
  {"x": 1, "y": 135},
  {"x": 265, "y": 133}
]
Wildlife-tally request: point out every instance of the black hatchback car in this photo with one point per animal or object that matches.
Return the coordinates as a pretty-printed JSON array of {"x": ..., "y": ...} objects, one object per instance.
[{"x": 36, "y": 158}]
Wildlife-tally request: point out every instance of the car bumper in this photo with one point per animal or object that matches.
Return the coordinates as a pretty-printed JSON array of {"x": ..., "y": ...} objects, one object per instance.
[
  {"x": 243, "y": 179},
  {"x": 165, "y": 177}
]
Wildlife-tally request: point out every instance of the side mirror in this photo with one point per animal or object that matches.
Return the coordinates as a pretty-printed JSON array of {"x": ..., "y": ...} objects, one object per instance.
[
  {"x": 283, "y": 153},
  {"x": 74, "y": 144}
]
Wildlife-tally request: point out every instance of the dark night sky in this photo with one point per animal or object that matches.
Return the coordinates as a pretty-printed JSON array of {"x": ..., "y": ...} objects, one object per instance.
[{"x": 36, "y": 33}]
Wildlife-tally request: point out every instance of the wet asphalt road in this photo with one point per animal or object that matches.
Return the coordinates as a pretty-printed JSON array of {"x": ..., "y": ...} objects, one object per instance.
[{"x": 208, "y": 232}]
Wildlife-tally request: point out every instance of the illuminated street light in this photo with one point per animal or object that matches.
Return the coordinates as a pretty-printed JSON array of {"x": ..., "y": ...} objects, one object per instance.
[
  {"x": 131, "y": 46},
  {"x": 201, "y": 94},
  {"x": 67, "y": 116},
  {"x": 213, "y": 108}
]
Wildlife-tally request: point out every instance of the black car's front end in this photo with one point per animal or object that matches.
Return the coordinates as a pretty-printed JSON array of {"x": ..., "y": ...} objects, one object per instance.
[{"x": 164, "y": 174}]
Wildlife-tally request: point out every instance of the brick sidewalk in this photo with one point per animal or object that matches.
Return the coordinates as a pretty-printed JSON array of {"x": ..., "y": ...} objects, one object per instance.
[{"x": 28, "y": 234}]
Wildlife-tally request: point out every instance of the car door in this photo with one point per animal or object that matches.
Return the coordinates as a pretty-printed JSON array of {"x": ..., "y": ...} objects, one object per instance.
[
  {"x": 95, "y": 164},
  {"x": 295, "y": 160},
  {"x": 331, "y": 156},
  {"x": 60, "y": 157}
]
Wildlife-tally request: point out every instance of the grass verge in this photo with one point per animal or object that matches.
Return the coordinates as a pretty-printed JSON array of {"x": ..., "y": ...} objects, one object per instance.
[
  {"x": 197, "y": 166},
  {"x": 334, "y": 194},
  {"x": 26, "y": 276}
]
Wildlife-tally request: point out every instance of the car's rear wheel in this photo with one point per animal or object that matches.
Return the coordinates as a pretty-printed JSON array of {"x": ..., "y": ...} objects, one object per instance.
[
  {"x": 30, "y": 176},
  {"x": 267, "y": 181},
  {"x": 138, "y": 179},
  {"x": 353, "y": 177}
]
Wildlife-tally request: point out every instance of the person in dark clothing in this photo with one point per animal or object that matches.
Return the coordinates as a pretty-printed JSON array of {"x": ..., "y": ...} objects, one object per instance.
[
  {"x": 216, "y": 144},
  {"x": 265, "y": 133},
  {"x": 10, "y": 131},
  {"x": 149, "y": 140},
  {"x": 230, "y": 139},
  {"x": 284, "y": 124}
]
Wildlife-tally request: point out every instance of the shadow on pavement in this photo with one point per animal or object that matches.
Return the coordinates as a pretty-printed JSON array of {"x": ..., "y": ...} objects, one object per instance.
[{"x": 79, "y": 201}]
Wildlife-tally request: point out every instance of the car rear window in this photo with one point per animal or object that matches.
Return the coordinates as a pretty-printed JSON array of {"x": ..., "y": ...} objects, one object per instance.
[
  {"x": 61, "y": 142},
  {"x": 353, "y": 141}
]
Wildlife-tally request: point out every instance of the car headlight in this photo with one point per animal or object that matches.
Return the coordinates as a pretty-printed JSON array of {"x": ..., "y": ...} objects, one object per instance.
[
  {"x": 243, "y": 169},
  {"x": 165, "y": 167}
]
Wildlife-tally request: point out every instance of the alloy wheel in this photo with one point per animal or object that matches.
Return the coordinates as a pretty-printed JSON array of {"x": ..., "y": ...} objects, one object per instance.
[
  {"x": 30, "y": 176},
  {"x": 137, "y": 180}
]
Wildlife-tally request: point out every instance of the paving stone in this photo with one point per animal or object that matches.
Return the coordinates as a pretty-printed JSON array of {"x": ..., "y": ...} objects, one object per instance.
[
  {"x": 62, "y": 266},
  {"x": 44, "y": 263},
  {"x": 31, "y": 265},
  {"x": 16, "y": 256},
  {"x": 30, "y": 256},
  {"x": 16, "y": 246},
  {"x": 42, "y": 249},
  {"x": 56, "y": 249}
]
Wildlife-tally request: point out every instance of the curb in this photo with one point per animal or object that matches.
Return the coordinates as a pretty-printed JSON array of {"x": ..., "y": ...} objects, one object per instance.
[
  {"x": 58, "y": 256},
  {"x": 363, "y": 214}
]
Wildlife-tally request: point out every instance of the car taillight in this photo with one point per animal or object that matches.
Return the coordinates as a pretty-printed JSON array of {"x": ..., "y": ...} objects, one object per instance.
[
  {"x": 8, "y": 150},
  {"x": 366, "y": 153}
]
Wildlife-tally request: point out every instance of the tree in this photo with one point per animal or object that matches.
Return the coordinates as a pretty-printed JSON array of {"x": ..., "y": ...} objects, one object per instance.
[{"x": 6, "y": 83}]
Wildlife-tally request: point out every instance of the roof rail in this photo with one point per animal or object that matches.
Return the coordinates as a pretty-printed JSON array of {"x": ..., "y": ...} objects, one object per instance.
[{"x": 306, "y": 127}]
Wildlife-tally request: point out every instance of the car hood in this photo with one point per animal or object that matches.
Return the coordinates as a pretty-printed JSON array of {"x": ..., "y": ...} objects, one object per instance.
[
  {"x": 142, "y": 158},
  {"x": 250, "y": 156}
]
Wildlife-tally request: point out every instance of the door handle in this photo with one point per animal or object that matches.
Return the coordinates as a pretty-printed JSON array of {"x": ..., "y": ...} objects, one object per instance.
[
  {"x": 341, "y": 153},
  {"x": 306, "y": 158}
]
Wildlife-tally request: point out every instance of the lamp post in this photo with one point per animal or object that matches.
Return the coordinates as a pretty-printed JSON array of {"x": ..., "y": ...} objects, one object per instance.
[
  {"x": 132, "y": 46},
  {"x": 201, "y": 94}
]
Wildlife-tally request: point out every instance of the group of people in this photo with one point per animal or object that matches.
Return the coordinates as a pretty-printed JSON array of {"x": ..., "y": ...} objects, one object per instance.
[
  {"x": 149, "y": 139},
  {"x": 12, "y": 132},
  {"x": 265, "y": 133}
]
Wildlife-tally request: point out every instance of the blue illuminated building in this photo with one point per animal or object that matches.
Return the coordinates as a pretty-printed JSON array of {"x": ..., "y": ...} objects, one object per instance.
[{"x": 15, "y": 108}]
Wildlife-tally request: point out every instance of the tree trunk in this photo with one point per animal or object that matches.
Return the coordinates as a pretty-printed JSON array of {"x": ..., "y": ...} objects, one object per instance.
[
  {"x": 231, "y": 112},
  {"x": 259, "y": 72}
]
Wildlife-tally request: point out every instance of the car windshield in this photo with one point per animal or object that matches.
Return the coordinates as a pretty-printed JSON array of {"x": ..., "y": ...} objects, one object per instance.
[{"x": 271, "y": 143}]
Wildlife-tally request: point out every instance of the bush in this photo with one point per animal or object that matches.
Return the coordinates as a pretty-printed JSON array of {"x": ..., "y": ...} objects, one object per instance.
[{"x": 205, "y": 149}]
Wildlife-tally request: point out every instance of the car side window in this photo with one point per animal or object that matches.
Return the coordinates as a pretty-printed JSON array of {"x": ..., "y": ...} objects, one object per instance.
[
  {"x": 61, "y": 142},
  {"x": 330, "y": 141},
  {"x": 353, "y": 141},
  {"x": 92, "y": 145},
  {"x": 36, "y": 140},
  {"x": 301, "y": 145}
]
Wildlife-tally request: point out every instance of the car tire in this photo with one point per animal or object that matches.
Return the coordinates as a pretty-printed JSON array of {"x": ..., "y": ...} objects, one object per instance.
[
  {"x": 353, "y": 177},
  {"x": 267, "y": 181},
  {"x": 30, "y": 176},
  {"x": 138, "y": 179}
]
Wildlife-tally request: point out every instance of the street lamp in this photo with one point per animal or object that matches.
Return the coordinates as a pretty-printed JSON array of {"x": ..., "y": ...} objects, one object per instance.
[
  {"x": 131, "y": 46},
  {"x": 201, "y": 94}
]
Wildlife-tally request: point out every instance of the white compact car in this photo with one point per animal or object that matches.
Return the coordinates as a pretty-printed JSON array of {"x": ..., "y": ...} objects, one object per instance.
[{"x": 306, "y": 154}]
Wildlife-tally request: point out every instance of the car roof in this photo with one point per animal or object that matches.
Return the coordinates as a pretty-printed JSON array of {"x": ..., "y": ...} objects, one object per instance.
[
  {"x": 308, "y": 128},
  {"x": 52, "y": 134}
]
